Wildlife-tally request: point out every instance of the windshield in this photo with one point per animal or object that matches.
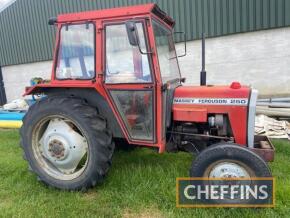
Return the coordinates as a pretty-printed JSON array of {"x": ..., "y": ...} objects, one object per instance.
[{"x": 166, "y": 53}]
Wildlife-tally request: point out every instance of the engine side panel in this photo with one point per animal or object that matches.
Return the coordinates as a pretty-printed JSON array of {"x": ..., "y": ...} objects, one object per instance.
[{"x": 196, "y": 101}]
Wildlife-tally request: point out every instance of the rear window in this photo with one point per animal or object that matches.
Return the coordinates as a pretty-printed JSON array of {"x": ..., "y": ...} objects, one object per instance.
[{"x": 76, "y": 52}]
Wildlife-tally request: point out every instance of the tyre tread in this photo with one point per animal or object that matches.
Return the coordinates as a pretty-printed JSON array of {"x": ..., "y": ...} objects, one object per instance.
[{"x": 97, "y": 130}]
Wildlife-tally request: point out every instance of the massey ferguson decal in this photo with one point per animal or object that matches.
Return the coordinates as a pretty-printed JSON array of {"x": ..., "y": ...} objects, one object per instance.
[{"x": 213, "y": 101}]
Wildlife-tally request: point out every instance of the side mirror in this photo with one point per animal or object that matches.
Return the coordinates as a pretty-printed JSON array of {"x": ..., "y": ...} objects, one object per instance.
[
  {"x": 181, "y": 54},
  {"x": 132, "y": 33},
  {"x": 133, "y": 36},
  {"x": 52, "y": 21}
]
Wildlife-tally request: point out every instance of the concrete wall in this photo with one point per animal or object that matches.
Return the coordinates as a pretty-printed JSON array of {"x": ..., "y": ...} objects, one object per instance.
[
  {"x": 260, "y": 59},
  {"x": 17, "y": 77}
]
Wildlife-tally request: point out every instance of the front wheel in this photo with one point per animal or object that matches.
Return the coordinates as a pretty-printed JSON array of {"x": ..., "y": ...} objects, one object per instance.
[
  {"x": 66, "y": 143},
  {"x": 229, "y": 161}
]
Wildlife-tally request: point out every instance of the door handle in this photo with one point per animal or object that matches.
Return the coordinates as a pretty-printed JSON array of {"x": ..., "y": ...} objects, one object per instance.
[{"x": 148, "y": 87}]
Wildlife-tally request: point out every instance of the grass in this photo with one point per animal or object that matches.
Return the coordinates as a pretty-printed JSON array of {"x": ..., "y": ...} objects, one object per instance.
[{"x": 141, "y": 183}]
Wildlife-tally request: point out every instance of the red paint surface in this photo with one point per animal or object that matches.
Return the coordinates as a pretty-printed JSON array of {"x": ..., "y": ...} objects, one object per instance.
[
  {"x": 238, "y": 115},
  {"x": 192, "y": 114}
]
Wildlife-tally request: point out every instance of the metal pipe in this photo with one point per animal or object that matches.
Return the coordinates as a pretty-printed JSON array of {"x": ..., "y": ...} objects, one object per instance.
[
  {"x": 285, "y": 99},
  {"x": 201, "y": 135},
  {"x": 274, "y": 112},
  {"x": 203, "y": 72},
  {"x": 275, "y": 104}
]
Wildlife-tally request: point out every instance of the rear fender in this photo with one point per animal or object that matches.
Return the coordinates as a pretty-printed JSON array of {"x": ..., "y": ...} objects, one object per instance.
[{"x": 91, "y": 95}]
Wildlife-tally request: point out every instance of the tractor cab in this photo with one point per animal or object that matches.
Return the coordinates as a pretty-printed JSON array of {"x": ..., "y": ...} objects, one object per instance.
[{"x": 128, "y": 55}]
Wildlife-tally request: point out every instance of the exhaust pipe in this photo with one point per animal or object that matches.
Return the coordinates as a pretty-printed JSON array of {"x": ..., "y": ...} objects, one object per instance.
[{"x": 203, "y": 72}]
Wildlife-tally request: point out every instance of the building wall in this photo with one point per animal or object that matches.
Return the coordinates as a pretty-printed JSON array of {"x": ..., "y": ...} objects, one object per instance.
[
  {"x": 260, "y": 59},
  {"x": 17, "y": 77}
]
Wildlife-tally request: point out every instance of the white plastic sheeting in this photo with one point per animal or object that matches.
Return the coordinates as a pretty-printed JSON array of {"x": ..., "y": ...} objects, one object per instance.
[
  {"x": 272, "y": 128},
  {"x": 18, "y": 104}
]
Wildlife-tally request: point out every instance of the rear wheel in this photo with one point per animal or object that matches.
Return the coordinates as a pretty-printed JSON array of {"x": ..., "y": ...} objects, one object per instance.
[{"x": 66, "y": 143}]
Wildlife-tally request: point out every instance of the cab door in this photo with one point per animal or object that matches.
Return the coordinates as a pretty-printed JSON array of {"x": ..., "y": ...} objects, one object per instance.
[
  {"x": 129, "y": 81},
  {"x": 168, "y": 67}
]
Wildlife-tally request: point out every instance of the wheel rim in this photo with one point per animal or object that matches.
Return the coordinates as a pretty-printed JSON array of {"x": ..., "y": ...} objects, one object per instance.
[
  {"x": 228, "y": 169},
  {"x": 60, "y": 147}
]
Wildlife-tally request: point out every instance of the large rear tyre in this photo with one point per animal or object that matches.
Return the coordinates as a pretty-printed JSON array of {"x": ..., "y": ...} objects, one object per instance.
[{"x": 66, "y": 143}]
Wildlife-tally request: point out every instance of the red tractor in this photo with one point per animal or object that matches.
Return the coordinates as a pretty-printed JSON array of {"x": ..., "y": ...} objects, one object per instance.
[{"x": 116, "y": 77}]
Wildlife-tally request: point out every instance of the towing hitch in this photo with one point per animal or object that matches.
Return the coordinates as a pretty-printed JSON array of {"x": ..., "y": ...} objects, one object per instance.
[{"x": 264, "y": 148}]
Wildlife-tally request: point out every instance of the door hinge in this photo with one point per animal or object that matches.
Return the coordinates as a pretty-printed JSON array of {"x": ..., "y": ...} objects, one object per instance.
[{"x": 164, "y": 87}]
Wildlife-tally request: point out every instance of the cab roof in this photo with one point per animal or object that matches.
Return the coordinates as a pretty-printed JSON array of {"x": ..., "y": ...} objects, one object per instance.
[{"x": 135, "y": 10}]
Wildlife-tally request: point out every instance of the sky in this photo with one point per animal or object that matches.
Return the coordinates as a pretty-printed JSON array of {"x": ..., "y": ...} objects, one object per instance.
[{"x": 3, "y": 3}]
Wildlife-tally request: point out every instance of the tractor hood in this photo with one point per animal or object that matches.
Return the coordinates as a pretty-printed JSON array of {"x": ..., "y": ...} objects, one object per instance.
[
  {"x": 197, "y": 103},
  {"x": 235, "y": 94}
]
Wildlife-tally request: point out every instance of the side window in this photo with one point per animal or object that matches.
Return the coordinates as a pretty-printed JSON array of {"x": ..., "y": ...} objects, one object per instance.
[
  {"x": 125, "y": 63},
  {"x": 76, "y": 52}
]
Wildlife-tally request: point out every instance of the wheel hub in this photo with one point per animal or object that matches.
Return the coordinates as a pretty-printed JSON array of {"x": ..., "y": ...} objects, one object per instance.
[
  {"x": 56, "y": 148},
  {"x": 62, "y": 146},
  {"x": 228, "y": 170}
]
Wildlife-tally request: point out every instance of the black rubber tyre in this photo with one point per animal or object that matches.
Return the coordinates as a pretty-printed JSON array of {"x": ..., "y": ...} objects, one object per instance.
[
  {"x": 99, "y": 139},
  {"x": 229, "y": 155},
  {"x": 229, "y": 152}
]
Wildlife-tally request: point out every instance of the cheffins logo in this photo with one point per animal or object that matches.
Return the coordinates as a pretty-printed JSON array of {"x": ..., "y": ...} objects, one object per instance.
[{"x": 225, "y": 192}]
